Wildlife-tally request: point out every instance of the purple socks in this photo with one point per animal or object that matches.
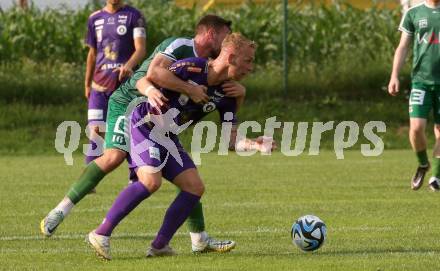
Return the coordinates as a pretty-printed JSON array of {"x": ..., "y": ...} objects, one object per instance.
[
  {"x": 127, "y": 200},
  {"x": 176, "y": 214},
  {"x": 134, "y": 194}
]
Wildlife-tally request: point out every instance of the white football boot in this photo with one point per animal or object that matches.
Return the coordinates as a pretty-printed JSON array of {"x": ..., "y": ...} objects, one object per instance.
[
  {"x": 100, "y": 243},
  {"x": 213, "y": 245},
  {"x": 49, "y": 224}
]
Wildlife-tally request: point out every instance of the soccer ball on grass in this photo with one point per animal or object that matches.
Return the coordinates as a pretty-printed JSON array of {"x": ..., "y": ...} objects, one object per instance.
[{"x": 309, "y": 232}]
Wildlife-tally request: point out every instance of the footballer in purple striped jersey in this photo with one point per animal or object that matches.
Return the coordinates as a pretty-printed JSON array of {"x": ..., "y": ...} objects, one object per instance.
[{"x": 116, "y": 39}]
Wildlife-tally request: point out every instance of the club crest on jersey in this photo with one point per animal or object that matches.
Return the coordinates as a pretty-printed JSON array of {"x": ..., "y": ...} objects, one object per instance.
[
  {"x": 209, "y": 107},
  {"x": 121, "y": 30},
  {"x": 423, "y": 23}
]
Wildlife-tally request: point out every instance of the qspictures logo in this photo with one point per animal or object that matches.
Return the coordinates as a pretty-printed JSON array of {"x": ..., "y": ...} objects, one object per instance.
[{"x": 207, "y": 135}]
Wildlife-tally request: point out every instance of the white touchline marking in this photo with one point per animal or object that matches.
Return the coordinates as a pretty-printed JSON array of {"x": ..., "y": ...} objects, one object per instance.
[{"x": 73, "y": 236}]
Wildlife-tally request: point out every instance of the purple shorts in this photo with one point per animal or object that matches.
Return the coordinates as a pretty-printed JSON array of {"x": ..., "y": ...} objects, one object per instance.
[
  {"x": 168, "y": 156},
  {"x": 98, "y": 103}
]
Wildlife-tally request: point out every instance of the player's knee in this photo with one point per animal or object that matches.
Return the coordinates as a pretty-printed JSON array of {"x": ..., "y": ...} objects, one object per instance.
[
  {"x": 417, "y": 128},
  {"x": 111, "y": 159},
  {"x": 196, "y": 188},
  {"x": 200, "y": 189},
  {"x": 149, "y": 181}
]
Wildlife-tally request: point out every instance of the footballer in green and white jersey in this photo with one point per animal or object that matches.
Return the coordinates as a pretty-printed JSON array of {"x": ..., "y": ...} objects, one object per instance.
[
  {"x": 172, "y": 48},
  {"x": 423, "y": 23},
  {"x": 420, "y": 26}
]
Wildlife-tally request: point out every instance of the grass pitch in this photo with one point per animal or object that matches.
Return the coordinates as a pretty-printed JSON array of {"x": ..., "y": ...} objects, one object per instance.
[{"x": 375, "y": 222}]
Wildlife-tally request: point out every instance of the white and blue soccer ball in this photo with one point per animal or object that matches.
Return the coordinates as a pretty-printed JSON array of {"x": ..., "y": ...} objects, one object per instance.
[{"x": 309, "y": 232}]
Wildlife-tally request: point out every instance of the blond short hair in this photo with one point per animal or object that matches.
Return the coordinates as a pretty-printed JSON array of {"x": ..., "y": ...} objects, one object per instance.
[{"x": 238, "y": 41}]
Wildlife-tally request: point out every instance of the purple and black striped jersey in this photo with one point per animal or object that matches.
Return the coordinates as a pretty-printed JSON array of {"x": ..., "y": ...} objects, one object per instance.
[{"x": 195, "y": 71}]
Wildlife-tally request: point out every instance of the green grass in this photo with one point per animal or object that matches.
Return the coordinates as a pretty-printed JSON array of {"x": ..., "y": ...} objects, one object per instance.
[{"x": 375, "y": 222}]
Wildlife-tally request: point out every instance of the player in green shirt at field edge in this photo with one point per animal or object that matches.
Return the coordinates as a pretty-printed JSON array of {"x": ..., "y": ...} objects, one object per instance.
[{"x": 420, "y": 26}]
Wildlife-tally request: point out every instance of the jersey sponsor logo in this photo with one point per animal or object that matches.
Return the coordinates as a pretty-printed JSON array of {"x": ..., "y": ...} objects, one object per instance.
[
  {"x": 209, "y": 107},
  {"x": 121, "y": 30},
  {"x": 99, "y": 22},
  {"x": 417, "y": 97},
  {"x": 423, "y": 23},
  {"x": 122, "y": 19},
  {"x": 218, "y": 94},
  {"x": 215, "y": 99},
  {"x": 428, "y": 38},
  {"x": 110, "y": 66},
  {"x": 154, "y": 153}
]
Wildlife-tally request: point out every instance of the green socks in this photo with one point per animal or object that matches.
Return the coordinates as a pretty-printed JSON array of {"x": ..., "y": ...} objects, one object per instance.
[
  {"x": 422, "y": 158},
  {"x": 196, "y": 221},
  {"x": 91, "y": 176},
  {"x": 436, "y": 167}
]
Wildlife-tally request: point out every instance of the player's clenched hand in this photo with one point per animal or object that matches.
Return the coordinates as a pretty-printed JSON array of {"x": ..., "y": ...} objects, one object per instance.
[
  {"x": 124, "y": 71},
  {"x": 198, "y": 94},
  {"x": 87, "y": 92},
  {"x": 393, "y": 86},
  {"x": 234, "y": 89},
  {"x": 155, "y": 97}
]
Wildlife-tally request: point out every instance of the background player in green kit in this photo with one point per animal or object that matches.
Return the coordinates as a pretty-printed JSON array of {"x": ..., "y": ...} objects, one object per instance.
[
  {"x": 210, "y": 32},
  {"x": 421, "y": 26}
]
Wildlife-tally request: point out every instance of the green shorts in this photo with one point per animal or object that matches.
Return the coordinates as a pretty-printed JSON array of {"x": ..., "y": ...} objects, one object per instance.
[
  {"x": 115, "y": 135},
  {"x": 423, "y": 98}
]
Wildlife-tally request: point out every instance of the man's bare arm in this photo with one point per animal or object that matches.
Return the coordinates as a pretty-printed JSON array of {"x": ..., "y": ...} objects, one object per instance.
[
  {"x": 140, "y": 45},
  {"x": 159, "y": 74},
  {"x": 90, "y": 68},
  {"x": 399, "y": 60}
]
